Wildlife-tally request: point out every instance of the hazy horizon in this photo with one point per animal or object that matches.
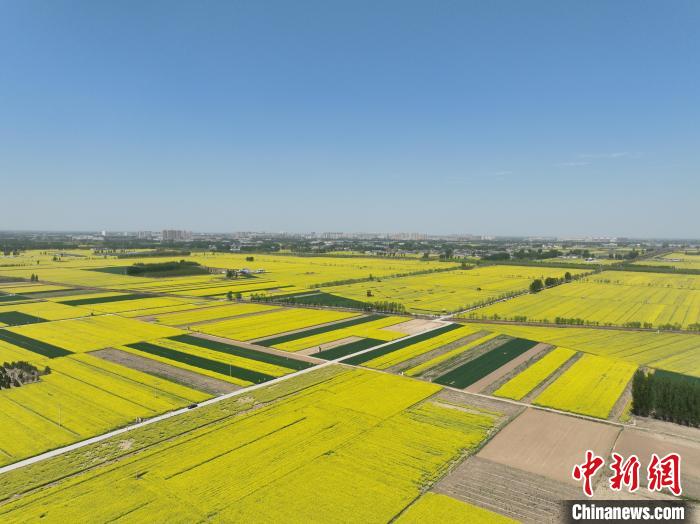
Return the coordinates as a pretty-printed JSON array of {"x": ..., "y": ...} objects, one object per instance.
[{"x": 391, "y": 117}]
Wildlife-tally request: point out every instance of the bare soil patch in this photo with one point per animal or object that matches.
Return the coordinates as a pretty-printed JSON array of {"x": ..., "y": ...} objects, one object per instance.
[
  {"x": 417, "y": 325},
  {"x": 506, "y": 490},
  {"x": 643, "y": 444},
  {"x": 191, "y": 379},
  {"x": 549, "y": 444}
]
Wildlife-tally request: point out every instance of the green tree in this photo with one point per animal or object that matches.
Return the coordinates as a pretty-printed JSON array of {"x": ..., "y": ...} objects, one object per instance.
[{"x": 536, "y": 286}]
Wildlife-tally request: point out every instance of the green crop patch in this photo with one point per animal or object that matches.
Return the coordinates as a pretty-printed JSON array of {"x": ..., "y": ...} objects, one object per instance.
[
  {"x": 272, "y": 341},
  {"x": 42, "y": 348},
  {"x": 103, "y": 300},
  {"x": 466, "y": 374},
  {"x": 17, "y": 318},
  {"x": 400, "y": 344},
  {"x": 4, "y": 297},
  {"x": 348, "y": 349},
  {"x": 221, "y": 368},
  {"x": 230, "y": 349},
  {"x": 321, "y": 298}
]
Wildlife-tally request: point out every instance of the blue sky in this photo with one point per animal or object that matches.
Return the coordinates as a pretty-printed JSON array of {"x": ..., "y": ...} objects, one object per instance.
[{"x": 493, "y": 117}]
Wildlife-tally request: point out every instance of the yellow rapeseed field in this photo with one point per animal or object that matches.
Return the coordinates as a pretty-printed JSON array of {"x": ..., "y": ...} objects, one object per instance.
[
  {"x": 590, "y": 387},
  {"x": 310, "y": 456},
  {"x": 524, "y": 382},
  {"x": 436, "y": 508},
  {"x": 249, "y": 328},
  {"x": 94, "y": 332},
  {"x": 670, "y": 351}
]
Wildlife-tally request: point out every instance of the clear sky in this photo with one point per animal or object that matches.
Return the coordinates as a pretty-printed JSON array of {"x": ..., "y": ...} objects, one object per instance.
[{"x": 492, "y": 117}]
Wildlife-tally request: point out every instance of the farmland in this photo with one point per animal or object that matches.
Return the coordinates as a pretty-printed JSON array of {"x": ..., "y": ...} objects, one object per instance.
[
  {"x": 449, "y": 291},
  {"x": 335, "y": 437},
  {"x": 670, "y": 351},
  {"x": 590, "y": 387},
  {"x": 81, "y": 397},
  {"x": 525, "y": 382},
  {"x": 611, "y": 298},
  {"x": 125, "y": 348}
]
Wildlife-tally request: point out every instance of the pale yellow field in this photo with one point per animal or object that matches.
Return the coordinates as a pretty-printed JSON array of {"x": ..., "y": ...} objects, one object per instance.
[
  {"x": 211, "y": 312},
  {"x": 451, "y": 290},
  {"x": 46, "y": 310},
  {"x": 249, "y": 328},
  {"x": 95, "y": 332},
  {"x": 377, "y": 329},
  {"x": 610, "y": 298}
]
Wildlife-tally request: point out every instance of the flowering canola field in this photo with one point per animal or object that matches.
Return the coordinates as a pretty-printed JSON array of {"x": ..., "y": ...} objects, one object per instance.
[
  {"x": 358, "y": 435},
  {"x": 590, "y": 387}
]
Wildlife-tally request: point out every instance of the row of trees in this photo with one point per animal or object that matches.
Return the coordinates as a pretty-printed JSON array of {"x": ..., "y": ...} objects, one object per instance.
[
  {"x": 666, "y": 396},
  {"x": 162, "y": 267},
  {"x": 538, "y": 285}
]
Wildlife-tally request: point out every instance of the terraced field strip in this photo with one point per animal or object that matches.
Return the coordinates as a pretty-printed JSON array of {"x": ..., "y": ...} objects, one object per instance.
[
  {"x": 590, "y": 387},
  {"x": 254, "y": 377},
  {"x": 522, "y": 384},
  {"x": 102, "y": 300},
  {"x": 36, "y": 346},
  {"x": 461, "y": 347},
  {"x": 348, "y": 349},
  {"x": 399, "y": 344},
  {"x": 474, "y": 370},
  {"x": 17, "y": 318},
  {"x": 273, "y": 341},
  {"x": 277, "y": 360}
]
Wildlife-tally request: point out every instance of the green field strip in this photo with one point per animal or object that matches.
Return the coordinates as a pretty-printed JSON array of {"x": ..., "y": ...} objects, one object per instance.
[
  {"x": 672, "y": 376},
  {"x": 36, "y": 346},
  {"x": 17, "y": 318},
  {"x": 10, "y": 298},
  {"x": 221, "y": 368},
  {"x": 222, "y": 347},
  {"x": 348, "y": 349},
  {"x": 400, "y": 344},
  {"x": 466, "y": 374},
  {"x": 321, "y": 298},
  {"x": 317, "y": 331},
  {"x": 102, "y": 300}
]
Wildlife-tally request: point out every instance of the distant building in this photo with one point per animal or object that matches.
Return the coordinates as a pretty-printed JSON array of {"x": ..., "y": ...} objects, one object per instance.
[{"x": 176, "y": 235}]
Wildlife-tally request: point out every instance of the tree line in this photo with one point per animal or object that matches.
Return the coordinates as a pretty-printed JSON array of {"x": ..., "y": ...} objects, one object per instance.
[{"x": 666, "y": 396}]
